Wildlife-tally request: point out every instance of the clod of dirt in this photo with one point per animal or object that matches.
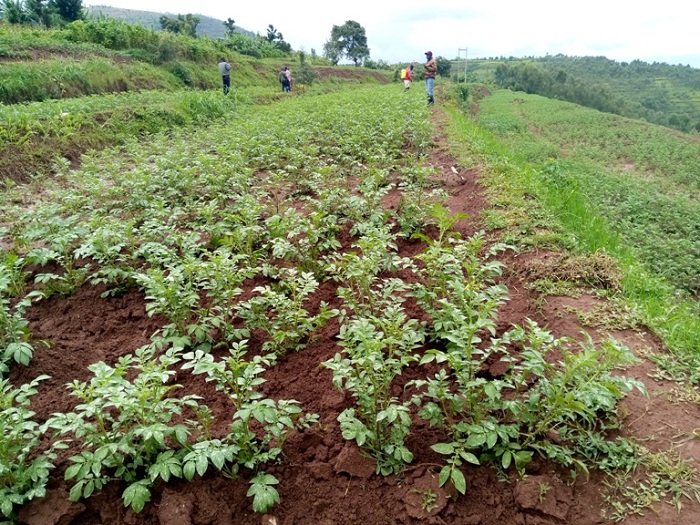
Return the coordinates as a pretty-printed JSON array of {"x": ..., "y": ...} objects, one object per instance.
[
  {"x": 54, "y": 509},
  {"x": 425, "y": 497},
  {"x": 175, "y": 508},
  {"x": 545, "y": 495},
  {"x": 596, "y": 270},
  {"x": 351, "y": 461}
]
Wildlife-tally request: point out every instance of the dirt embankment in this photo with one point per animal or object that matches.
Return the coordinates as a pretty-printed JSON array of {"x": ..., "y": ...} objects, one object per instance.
[{"x": 348, "y": 73}]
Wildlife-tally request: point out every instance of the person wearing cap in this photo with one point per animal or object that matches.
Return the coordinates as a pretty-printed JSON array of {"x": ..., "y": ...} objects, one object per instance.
[{"x": 429, "y": 71}]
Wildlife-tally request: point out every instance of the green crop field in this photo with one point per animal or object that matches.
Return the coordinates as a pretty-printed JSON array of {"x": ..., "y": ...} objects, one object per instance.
[{"x": 232, "y": 294}]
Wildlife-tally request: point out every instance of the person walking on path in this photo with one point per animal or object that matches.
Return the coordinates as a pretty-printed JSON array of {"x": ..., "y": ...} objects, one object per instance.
[
  {"x": 408, "y": 79},
  {"x": 225, "y": 70},
  {"x": 429, "y": 72}
]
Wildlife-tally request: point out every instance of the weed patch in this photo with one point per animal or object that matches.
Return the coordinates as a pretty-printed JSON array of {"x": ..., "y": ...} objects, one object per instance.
[{"x": 595, "y": 270}]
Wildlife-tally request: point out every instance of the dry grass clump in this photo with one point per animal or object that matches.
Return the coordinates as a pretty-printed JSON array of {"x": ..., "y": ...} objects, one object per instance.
[{"x": 596, "y": 270}]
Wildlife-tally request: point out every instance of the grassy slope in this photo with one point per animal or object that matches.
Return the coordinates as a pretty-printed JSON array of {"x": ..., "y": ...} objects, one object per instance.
[
  {"x": 670, "y": 89},
  {"x": 609, "y": 184},
  {"x": 51, "y": 76}
]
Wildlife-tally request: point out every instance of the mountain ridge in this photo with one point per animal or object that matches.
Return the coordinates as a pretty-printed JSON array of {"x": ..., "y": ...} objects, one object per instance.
[{"x": 208, "y": 26}]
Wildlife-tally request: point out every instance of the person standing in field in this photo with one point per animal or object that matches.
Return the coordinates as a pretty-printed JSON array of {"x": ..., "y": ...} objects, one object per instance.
[
  {"x": 225, "y": 70},
  {"x": 285, "y": 78},
  {"x": 289, "y": 78},
  {"x": 408, "y": 79},
  {"x": 429, "y": 72}
]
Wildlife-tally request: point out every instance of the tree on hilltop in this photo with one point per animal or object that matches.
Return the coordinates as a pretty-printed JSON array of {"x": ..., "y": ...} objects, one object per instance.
[
  {"x": 69, "y": 10},
  {"x": 230, "y": 26},
  {"x": 273, "y": 34},
  {"x": 349, "y": 40},
  {"x": 444, "y": 66},
  {"x": 332, "y": 51},
  {"x": 182, "y": 25},
  {"x": 276, "y": 38}
]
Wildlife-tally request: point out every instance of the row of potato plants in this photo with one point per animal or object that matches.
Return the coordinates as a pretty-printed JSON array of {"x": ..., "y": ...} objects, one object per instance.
[
  {"x": 537, "y": 406},
  {"x": 191, "y": 217}
]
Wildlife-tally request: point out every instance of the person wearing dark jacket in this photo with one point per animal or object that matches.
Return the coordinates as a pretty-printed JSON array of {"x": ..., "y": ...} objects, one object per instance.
[
  {"x": 285, "y": 78},
  {"x": 429, "y": 72}
]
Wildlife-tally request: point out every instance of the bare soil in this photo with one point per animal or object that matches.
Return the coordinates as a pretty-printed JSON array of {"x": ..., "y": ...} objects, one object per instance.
[
  {"x": 325, "y": 480},
  {"x": 41, "y": 53},
  {"x": 325, "y": 72}
]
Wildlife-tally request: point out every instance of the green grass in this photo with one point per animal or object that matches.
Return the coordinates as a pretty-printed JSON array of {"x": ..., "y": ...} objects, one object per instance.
[
  {"x": 93, "y": 85},
  {"x": 643, "y": 180},
  {"x": 549, "y": 190},
  {"x": 60, "y": 78}
]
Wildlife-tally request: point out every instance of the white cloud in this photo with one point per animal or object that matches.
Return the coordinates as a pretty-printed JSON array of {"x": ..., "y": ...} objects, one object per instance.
[{"x": 402, "y": 31}]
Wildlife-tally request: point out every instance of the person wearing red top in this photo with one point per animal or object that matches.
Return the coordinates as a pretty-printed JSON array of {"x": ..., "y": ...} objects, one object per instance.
[{"x": 409, "y": 77}]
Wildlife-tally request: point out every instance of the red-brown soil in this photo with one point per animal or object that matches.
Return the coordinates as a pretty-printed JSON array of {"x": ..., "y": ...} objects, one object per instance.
[
  {"x": 341, "y": 72},
  {"x": 324, "y": 480},
  {"x": 40, "y": 53}
]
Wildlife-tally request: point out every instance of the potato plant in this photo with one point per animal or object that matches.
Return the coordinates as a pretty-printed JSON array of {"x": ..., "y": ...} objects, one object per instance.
[
  {"x": 363, "y": 292},
  {"x": 304, "y": 239},
  {"x": 279, "y": 310},
  {"x": 15, "y": 343},
  {"x": 239, "y": 378},
  {"x": 377, "y": 349},
  {"x": 24, "y": 467},
  {"x": 125, "y": 426}
]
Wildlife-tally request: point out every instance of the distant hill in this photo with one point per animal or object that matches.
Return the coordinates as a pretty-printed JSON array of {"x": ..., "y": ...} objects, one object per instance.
[
  {"x": 208, "y": 26},
  {"x": 658, "y": 92}
]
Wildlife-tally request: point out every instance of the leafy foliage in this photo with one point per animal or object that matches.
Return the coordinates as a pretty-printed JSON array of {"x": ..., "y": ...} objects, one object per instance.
[
  {"x": 279, "y": 311},
  {"x": 69, "y": 10},
  {"x": 230, "y": 25},
  {"x": 243, "y": 446},
  {"x": 276, "y": 38},
  {"x": 24, "y": 470},
  {"x": 349, "y": 40},
  {"x": 48, "y": 13},
  {"x": 15, "y": 343},
  {"x": 183, "y": 24},
  {"x": 125, "y": 426},
  {"x": 378, "y": 349}
]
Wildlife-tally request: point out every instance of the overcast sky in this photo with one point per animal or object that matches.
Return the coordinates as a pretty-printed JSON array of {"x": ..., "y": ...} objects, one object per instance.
[{"x": 402, "y": 30}]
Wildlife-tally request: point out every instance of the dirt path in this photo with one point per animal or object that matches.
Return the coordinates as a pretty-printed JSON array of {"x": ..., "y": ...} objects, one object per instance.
[{"x": 324, "y": 479}]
